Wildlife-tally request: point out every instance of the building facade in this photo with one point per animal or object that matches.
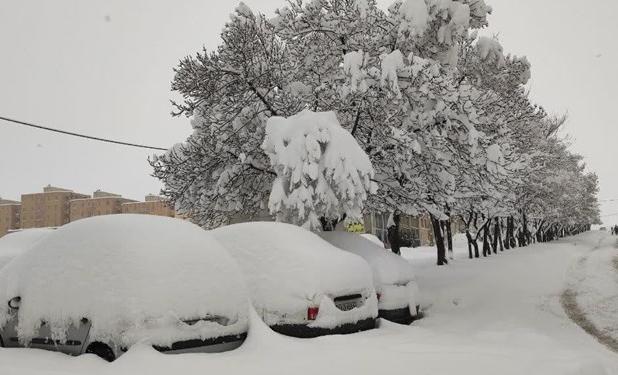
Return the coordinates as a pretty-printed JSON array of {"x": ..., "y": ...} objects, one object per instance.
[
  {"x": 51, "y": 208},
  {"x": 101, "y": 203},
  {"x": 414, "y": 230},
  {"x": 153, "y": 205},
  {"x": 10, "y": 212}
]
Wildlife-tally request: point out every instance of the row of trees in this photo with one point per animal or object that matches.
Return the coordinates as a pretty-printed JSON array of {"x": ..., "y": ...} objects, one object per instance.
[{"x": 441, "y": 112}]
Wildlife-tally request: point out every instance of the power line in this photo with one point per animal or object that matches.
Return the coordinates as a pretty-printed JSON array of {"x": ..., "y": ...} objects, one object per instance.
[{"x": 81, "y": 135}]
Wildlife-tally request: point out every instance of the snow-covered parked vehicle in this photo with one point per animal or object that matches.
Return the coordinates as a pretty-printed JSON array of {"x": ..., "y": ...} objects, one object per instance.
[
  {"x": 300, "y": 284},
  {"x": 100, "y": 285},
  {"x": 394, "y": 280},
  {"x": 14, "y": 243}
]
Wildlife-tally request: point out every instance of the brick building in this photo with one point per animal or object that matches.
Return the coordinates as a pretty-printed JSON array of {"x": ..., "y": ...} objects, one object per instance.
[
  {"x": 51, "y": 208},
  {"x": 153, "y": 205},
  {"x": 10, "y": 212},
  {"x": 101, "y": 203}
]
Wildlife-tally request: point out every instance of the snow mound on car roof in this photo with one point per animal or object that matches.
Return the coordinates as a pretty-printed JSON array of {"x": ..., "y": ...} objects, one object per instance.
[
  {"x": 387, "y": 267},
  {"x": 133, "y": 276},
  {"x": 15, "y": 243},
  {"x": 286, "y": 266}
]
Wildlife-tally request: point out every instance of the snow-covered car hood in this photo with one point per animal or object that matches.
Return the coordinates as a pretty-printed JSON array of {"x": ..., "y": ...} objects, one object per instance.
[
  {"x": 388, "y": 268},
  {"x": 122, "y": 272},
  {"x": 286, "y": 266},
  {"x": 13, "y": 244}
]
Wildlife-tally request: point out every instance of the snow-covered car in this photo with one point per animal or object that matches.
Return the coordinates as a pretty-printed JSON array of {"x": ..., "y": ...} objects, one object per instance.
[
  {"x": 14, "y": 243},
  {"x": 394, "y": 280},
  {"x": 100, "y": 285},
  {"x": 300, "y": 284}
]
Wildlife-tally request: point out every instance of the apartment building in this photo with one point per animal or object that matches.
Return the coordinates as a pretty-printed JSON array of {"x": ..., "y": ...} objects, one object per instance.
[
  {"x": 51, "y": 208},
  {"x": 101, "y": 203},
  {"x": 9, "y": 215},
  {"x": 152, "y": 205}
]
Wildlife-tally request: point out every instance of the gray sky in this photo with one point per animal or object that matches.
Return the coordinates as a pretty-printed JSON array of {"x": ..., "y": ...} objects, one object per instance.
[{"x": 104, "y": 68}]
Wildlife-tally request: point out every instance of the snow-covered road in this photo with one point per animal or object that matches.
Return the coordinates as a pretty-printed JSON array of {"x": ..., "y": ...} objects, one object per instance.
[{"x": 500, "y": 315}]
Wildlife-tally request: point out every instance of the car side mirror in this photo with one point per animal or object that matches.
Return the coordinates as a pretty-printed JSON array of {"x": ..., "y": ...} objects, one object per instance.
[{"x": 14, "y": 303}]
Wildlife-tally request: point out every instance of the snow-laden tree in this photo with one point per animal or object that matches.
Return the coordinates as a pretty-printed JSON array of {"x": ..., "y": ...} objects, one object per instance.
[
  {"x": 442, "y": 114},
  {"x": 321, "y": 170}
]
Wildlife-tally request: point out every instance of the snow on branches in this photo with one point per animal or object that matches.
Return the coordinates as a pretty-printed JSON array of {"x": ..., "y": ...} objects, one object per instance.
[{"x": 321, "y": 170}]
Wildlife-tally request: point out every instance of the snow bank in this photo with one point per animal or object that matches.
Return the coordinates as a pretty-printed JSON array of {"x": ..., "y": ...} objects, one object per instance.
[
  {"x": 288, "y": 268},
  {"x": 321, "y": 169},
  {"x": 133, "y": 276},
  {"x": 594, "y": 281},
  {"x": 15, "y": 243}
]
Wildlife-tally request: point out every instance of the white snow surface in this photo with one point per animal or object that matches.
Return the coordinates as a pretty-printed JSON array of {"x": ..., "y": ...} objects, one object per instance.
[
  {"x": 387, "y": 267},
  {"x": 288, "y": 268},
  {"x": 15, "y": 243},
  {"x": 373, "y": 238},
  {"x": 415, "y": 17},
  {"x": 594, "y": 280},
  {"x": 133, "y": 276},
  {"x": 499, "y": 315}
]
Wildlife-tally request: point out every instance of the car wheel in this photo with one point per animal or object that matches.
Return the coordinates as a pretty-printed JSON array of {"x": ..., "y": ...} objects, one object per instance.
[{"x": 101, "y": 350}]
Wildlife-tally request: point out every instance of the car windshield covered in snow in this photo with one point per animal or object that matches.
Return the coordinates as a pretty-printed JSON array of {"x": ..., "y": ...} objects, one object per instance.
[{"x": 130, "y": 278}]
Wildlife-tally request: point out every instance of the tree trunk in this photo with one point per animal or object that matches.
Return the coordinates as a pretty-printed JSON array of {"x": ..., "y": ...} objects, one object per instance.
[
  {"x": 497, "y": 236},
  {"x": 449, "y": 237},
  {"x": 437, "y": 234},
  {"x": 486, "y": 249}
]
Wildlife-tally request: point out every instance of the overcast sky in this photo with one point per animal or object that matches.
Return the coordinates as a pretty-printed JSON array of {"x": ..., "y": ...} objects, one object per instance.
[{"x": 104, "y": 68}]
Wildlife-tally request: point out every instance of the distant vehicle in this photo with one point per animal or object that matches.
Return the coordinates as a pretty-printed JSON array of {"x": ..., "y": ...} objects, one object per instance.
[
  {"x": 394, "y": 280},
  {"x": 14, "y": 243},
  {"x": 102, "y": 284},
  {"x": 300, "y": 284}
]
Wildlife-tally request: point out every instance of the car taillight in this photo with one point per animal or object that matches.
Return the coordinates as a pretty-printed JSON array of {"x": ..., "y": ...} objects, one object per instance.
[
  {"x": 379, "y": 295},
  {"x": 312, "y": 313}
]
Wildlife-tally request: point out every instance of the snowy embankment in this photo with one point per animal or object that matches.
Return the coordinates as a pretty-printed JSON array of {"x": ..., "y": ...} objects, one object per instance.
[
  {"x": 499, "y": 315},
  {"x": 591, "y": 297}
]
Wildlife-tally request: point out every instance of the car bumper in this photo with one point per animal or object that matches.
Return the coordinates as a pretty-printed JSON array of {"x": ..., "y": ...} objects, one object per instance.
[
  {"x": 304, "y": 331},
  {"x": 401, "y": 316},
  {"x": 213, "y": 345}
]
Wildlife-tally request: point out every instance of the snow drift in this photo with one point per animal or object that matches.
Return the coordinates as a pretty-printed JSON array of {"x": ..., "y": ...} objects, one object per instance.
[{"x": 135, "y": 277}]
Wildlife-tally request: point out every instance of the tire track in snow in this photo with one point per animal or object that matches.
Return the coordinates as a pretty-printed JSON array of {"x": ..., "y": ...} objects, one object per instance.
[{"x": 568, "y": 300}]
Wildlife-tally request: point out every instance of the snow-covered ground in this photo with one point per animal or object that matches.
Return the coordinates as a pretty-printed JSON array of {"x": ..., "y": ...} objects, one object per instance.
[{"x": 499, "y": 315}]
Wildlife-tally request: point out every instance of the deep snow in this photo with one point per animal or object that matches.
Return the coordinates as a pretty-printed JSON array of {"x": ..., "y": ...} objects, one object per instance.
[
  {"x": 499, "y": 315},
  {"x": 133, "y": 276},
  {"x": 16, "y": 243}
]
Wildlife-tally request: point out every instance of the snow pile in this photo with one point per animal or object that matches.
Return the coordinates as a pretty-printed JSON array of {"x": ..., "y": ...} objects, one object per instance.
[
  {"x": 414, "y": 17},
  {"x": 15, "y": 243},
  {"x": 288, "y": 268},
  {"x": 391, "y": 64},
  {"x": 352, "y": 66},
  {"x": 321, "y": 169},
  {"x": 387, "y": 267},
  {"x": 393, "y": 277},
  {"x": 373, "y": 238},
  {"x": 133, "y": 276},
  {"x": 490, "y": 50}
]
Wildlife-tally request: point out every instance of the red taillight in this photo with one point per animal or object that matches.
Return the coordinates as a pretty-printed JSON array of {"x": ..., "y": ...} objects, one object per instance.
[
  {"x": 379, "y": 295},
  {"x": 312, "y": 313}
]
